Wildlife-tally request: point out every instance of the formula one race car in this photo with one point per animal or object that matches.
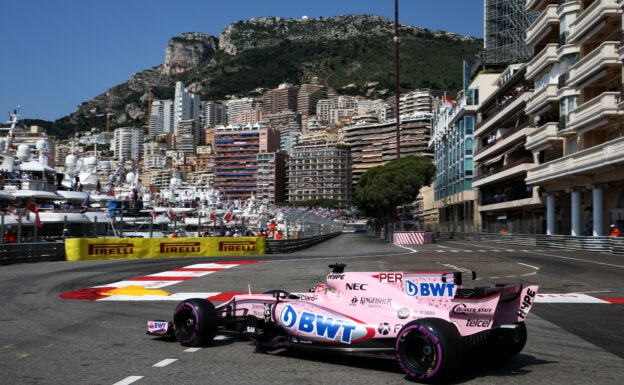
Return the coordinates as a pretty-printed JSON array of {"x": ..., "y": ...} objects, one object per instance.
[{"x": 426, "y": 321}]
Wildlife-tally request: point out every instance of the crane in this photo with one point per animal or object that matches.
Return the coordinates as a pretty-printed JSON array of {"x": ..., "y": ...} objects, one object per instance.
[{"x": 108, "y": 115}]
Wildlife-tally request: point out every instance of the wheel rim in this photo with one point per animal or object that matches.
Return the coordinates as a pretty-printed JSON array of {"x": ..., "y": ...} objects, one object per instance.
[
  {"x": 185, "y": 322},
  {"x": 420, "y": 352}
]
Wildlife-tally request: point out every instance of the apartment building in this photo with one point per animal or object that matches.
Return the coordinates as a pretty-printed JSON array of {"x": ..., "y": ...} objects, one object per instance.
[
  {"x": 578, "y": 141},
  {"x": 271, "y": 177},
  {"x": 374, "y": 144},
  {"x": 281, "y": 99},
  {"x": 453, "y": 144},
  {"x": 236, "y": 158},
  {"x": 161, "y": 118},
  {"x": 236, "y": 109},
  {"x": 128, "y": 142},
  {"x": 212, "y": 114},
  {"x": 309, "y": 94},
  {"x": 189, "y": 136},
  {"x": 185, "y": 106},
  {"x": 319, "y": 172},
  {"x": 416, "y": 101},
  {"x": 501, "y": 161}
]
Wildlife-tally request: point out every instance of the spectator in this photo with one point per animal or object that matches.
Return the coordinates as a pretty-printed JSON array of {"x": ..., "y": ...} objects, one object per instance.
[
  {"x": 615, "y": 232},
  {"x": 9, "y": 235}
]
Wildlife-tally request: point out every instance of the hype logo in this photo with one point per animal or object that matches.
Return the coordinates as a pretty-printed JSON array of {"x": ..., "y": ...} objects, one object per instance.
[{"x": 323, "y": 327}]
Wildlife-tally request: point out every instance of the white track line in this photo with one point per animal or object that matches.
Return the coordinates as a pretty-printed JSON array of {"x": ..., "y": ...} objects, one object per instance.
[
  {"x": 192, "y": 350},
  {"x": 164, "y": 362},
  {"x": 574, "y": 259},
  {"x": 128, "y": 380},
  {"x": 407, "y": 248}
]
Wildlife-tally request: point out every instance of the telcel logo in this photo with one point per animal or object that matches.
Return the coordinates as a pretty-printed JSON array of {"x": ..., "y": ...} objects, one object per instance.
[
  {"x": 237, "y": 246},
  {"x": 325, "y": 327},
  {"x": 110, "y": 248},
  {"x": 429, "y": 289}
]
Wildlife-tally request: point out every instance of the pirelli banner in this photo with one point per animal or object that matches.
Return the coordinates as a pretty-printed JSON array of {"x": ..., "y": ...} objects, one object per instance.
[{"x": 130, "y": 248}]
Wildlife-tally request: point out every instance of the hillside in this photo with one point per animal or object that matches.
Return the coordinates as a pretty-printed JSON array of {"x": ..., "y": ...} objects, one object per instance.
[{"x": 354, "y": 54}]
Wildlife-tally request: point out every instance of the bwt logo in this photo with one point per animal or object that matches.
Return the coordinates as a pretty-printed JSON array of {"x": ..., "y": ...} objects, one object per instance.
[
  {"x": 237, "y": 246},
  {"x": 110, "y": 248},
  {"x": 180, "y": 247},
  {"x": 325, "y": 327},
  {"x": 429, "y": 289}
]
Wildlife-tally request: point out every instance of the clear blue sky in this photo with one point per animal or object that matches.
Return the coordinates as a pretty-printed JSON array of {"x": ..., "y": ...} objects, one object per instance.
[{"x": 58, "y": 54}]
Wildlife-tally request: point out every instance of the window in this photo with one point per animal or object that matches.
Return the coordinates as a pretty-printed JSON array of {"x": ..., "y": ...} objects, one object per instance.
[
  {"x": 469, "y": 124},
  {"x": 468, "y": 146}
]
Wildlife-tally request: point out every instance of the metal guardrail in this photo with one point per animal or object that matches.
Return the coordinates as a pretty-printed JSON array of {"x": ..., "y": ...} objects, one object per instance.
[
  {"x": 31, "y": 252},
  {"x": 291, "y": 245},
  {"x": 570, "y": 242}
]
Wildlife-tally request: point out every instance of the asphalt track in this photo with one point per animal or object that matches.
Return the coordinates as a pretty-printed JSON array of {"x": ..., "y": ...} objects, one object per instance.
[{"x": 45, "y": 339}]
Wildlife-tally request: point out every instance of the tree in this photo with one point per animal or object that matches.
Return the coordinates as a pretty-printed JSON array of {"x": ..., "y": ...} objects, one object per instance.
[{"x": 381, "y": 189}]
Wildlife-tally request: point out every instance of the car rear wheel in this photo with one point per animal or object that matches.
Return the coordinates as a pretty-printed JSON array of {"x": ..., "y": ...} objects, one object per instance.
[
  {"x": 195, "y": 322},
  {"x": 429, "y": 349}
]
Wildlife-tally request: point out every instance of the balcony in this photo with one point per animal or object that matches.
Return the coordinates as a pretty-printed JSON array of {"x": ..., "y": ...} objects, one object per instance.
[
  {"x": 546, "y": 22},
  {"x": 502, "y": 112},
  {"x": 537, "y": 5},
  {"x": 602, "y": 157},
  {"x": 594, "y": 20},
  {"x": 546, "y": 57},
  {"x": 503, "y": 142},
  {"x": 541, "y": 98},
  {"x": 594, "y": 113},
  {"x": 595, "y": 65},
  {"x": 506, "y": 172},
  {"x": 542, "y": 136}
]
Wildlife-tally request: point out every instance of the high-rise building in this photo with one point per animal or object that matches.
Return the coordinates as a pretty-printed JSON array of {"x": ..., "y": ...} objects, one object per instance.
[
  {"x": 236, "y": 160},
  {"x": 281, "y": 99},
  {"x": 236, "y": 109},
  {"x": 128, "y": 142},
  {"x": 576, "y": 113},
  {"x": 185, "y": 106},
  {"x": 308, "y": 95},
  {"x": 189, "y": 136},
  {"x": 161, "y": 120},
  {"x": 212, "y": 114},
  {"x": 271, "y": 177},
  {"x": 319, "y": 172}
]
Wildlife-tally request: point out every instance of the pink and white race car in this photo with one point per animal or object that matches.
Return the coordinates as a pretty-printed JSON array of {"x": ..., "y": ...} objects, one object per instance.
[{"x": 426, "y": 321}]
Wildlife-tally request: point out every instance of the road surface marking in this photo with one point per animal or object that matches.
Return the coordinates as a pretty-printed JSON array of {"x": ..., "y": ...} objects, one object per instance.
[
  {"x": 574, "y": 259},
  {"x": 567, "y": 298},
  {"x": 407, "y": 248},
  {"x": 192, "y": 350},
  {"x": 128, "y": 380},
  {"x": 164, "y": 362}
]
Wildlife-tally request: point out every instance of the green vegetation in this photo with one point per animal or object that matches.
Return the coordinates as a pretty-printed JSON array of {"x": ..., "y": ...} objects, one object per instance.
[{"x": 381, "y": 189}]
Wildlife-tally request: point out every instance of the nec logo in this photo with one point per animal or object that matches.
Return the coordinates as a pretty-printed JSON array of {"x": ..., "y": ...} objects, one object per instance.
[{"x": 356, "y": 286}]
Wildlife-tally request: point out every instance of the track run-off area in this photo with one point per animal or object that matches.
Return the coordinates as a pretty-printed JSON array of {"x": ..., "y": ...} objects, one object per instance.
[{"x": 65, "y": 323}]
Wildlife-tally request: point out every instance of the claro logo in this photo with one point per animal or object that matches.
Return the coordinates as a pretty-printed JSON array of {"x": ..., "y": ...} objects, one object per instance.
[
  {"x": 111, "y": 248},
  {"x": 237, "y": 246},
  {"x": 180, "y": 247}
]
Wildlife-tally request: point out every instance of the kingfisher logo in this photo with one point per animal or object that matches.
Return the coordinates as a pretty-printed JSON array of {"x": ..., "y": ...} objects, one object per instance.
[
  {"x": 180, "y": 247},
  {"x": 429, "y": 289},
  {"x": 111, "y": 248},
  {"x": 237, "y": 246},
  {"x": 322, "y": 328}
]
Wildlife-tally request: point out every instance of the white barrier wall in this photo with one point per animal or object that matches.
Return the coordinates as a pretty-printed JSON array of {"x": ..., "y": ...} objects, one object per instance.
[{"x": 413, "y": 238}]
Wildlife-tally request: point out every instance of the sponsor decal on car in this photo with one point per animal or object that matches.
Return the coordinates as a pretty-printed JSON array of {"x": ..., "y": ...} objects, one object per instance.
[
  {"x": 403, "y": 313},
  {"x": 110, "y": 248},
  {"x": 390, "y": 277},
  {"x": 356, "y": 286},
  {"x": 375, "y": 301},
  {"x": 237, "y": 246},
  {"x": 309, "y": 298},
  {"x": 335, "y": 276},
  {"x": 527, "y": 302},
  {"x": 479, "y": 323},
  {"x": 180, "y": 247},
  {"x": 429, "y": 289},
  {"x": 320, "y": 327},
  {"x": 463, "y": 309},
  {"x": 383, "y": 328}
]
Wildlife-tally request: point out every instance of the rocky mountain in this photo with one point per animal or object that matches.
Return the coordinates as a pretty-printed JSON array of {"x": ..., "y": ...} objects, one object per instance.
[{"x": 353, "y": 53}]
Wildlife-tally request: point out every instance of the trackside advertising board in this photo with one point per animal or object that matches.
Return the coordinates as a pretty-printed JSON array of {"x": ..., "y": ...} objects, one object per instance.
[{"x": 130, "y": 248}]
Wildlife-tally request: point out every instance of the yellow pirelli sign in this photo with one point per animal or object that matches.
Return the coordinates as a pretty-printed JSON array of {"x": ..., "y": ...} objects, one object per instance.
[{"x": 119, "y": 248}]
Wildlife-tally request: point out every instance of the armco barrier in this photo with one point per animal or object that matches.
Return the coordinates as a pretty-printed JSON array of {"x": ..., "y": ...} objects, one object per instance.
[
  {"x": 122, "y": 248},
  {"x": 292, "y": 245},
  {"x": 570, "y": 242},
  {"x": 31, "y": 252}
]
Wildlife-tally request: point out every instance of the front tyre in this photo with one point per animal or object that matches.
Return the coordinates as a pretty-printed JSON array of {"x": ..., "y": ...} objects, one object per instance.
[
  {"x": 428, "y": 349},
  {"x": 195, "y": 322}
]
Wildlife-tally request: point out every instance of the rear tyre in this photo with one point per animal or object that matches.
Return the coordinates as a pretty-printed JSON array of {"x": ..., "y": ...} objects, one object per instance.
[
  {"x": 429, "y": 349},
  {"x": 195, "y": 322}
]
